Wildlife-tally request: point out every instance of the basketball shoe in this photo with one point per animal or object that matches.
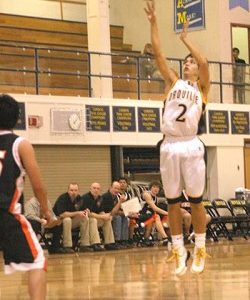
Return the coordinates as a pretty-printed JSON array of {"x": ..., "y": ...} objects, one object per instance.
[
  {"x": 180, "y": 256},
  {"x": 199, "y": 260}
]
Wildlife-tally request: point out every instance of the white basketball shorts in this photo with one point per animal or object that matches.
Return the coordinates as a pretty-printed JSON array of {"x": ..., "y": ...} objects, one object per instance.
[{"x": 182, "y": 167}]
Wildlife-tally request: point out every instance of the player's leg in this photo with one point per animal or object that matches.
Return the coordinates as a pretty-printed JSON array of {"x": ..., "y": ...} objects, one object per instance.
[
  {"x": 159, "y": 227},
  {"x": 208, "y": 218},
  {"x": 148, "y": 230},
  {"x": 180, "y": 254},
  {"x": 37, "y": 284},
  {"x": 194, "y": 176},
  {"x": 199, "y": 224},
  {"x": 22, "y": 252},
  {"x": 198, "y": 216},
  {"x": 173, "y": 186},
  {"x": 132, "y": 226},
  {"x": 187, "y": 221}
]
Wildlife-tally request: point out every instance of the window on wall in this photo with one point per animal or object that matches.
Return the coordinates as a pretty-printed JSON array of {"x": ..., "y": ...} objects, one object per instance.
[{"x": 240, "y": 39}]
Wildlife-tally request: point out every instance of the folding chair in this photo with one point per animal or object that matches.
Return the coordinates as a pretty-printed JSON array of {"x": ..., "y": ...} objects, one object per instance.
[
  {"x": 218, "y": 222},
  {"x": 214, "y": 224},
  {"x": 45, "y": 238},
  {"x": 139, "y": 232},
  {"x": 240, "y": 211},
  {"x": 139, "y": 188},
  {"x": 228, "y": 217}
]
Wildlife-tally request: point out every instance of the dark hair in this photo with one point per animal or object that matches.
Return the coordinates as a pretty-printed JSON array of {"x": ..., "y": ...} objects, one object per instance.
[
  {"x": 145, "y": 50},
  {"x": 9, "y": 112},
  {"x": 155, "y": 183},
  {"x": 189, "y": 55},
  {"x": 122, "y": 178},
  {"x": 236, "y": 49},
  {"x": 73, "y": 183}
]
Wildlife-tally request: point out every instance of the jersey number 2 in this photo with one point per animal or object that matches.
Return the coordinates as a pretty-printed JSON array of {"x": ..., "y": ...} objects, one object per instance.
[
  {"x": 180, "y": 118},
  {"x": 2, "y": 156}
]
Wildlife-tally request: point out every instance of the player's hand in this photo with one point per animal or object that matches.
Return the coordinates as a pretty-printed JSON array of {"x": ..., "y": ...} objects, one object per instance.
[
  {"x": 106, "y": 217},
  {"x": 53, "y": 223},
  {"x": 122, "y": 198},
  {"x": 48, "y": 217},
  {"x": 184, "y": 32},
  {"x": 82, "y": 214},
  {"x": 150, "y": 11},
  {"x": 44, "y": 222}
]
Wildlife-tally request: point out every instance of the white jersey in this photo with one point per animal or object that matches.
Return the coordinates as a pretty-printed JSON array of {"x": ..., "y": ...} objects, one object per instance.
[{"x": 183, "y": 109}]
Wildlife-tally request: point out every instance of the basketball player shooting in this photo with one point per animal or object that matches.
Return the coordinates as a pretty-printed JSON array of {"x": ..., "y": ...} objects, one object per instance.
[{"x": 182, "y": 162}]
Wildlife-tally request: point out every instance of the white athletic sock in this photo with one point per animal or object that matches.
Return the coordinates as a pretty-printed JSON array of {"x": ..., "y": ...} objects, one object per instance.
[
  {"x": 200, "y": 240},
  {"x": 177, "y": 241}
]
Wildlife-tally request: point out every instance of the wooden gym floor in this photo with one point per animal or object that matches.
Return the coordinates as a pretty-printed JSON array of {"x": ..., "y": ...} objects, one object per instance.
[{"x": 140, "y": 274}]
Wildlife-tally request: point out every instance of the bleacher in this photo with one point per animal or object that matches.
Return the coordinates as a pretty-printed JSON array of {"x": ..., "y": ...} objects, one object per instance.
[
  {"x": 48, "y": 32},
  {"x": 50, "y": 57}
]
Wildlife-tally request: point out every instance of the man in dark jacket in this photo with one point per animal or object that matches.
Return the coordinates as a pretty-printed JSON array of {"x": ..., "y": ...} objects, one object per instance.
[
  {"x": 65, "y": 207},
  {"x": 93, "y": 202}
]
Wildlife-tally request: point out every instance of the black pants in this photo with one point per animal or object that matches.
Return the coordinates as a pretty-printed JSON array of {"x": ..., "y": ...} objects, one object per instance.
[{"x": 56, "y": 233}]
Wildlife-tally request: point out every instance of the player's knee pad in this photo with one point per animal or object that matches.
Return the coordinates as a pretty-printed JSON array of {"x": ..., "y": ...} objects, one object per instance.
[
  {"x": 195, "y": 200},
  {"x": 174, "y": 200}
]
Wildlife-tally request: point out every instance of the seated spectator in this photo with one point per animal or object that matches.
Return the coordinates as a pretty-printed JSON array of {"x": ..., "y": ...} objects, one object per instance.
[
  {"x": 92, "y": 201},
  {"x": 111, "y": 203},
  {"x": 150, "y": 213},
  {"x": 65, "y": 207},
  {"x": 125, "y": 188},
  {"x": 148, "y": 66},
  {"x": 32, "y": 212}
]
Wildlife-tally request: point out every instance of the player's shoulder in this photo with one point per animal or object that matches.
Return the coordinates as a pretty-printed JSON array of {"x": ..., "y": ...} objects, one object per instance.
[
  {"x": 146, "y": 195},
  {"x": 24, "y": 147},
  {"x": 23, "y": 143}
]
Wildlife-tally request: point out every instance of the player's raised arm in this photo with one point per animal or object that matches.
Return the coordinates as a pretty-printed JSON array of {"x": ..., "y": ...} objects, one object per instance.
[
  {"x": 168, "y": 74},
  {"x": 202, "y": 62}
]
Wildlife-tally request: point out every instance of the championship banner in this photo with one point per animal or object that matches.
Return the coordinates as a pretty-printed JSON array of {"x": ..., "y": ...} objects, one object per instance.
[
  {"x": 97, "y": 118},
  {"x": 124, "y": 118},
  {"x": 218, "y": 121},
  {"x": 192, "y": 9},
  {"x": 148, "y": 119},
  {"x": 240, "y": 122}
]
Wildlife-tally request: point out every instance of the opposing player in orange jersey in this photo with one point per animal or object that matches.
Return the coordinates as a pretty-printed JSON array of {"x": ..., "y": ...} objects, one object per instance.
[{"x": 21, "y": 249}]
